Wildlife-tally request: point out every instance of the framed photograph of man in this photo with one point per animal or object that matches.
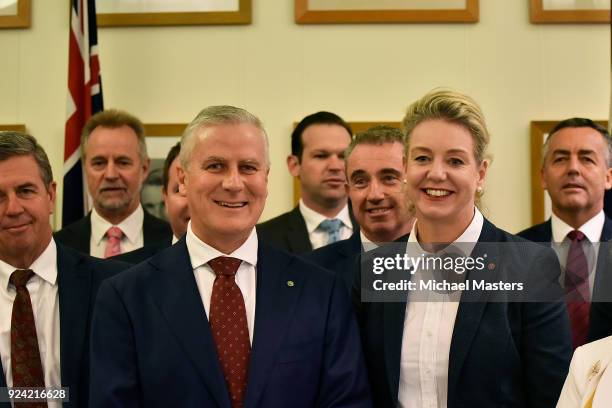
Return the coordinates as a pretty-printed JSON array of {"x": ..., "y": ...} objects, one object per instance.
[{"x": 112, "y": 13}]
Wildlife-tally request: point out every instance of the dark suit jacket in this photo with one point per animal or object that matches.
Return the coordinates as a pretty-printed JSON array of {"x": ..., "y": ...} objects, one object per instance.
[
  {"x": 339, "y": 257},
  {"x": 78, "y": 277},
  {"x": 508, "y": 354},
  {"x": 288, "y": 231},
  {"x": 141, "y": 254},
  {"x": 600, "y": 317},
  {"x": 78, "y": 234},
  {"x": 152, "y": 345}
]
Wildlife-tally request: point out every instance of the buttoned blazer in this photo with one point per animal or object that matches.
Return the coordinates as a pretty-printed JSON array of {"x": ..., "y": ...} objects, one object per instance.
[
  {"x": 78, "y": 234},
  {"x": 152, "y": 345},
  {"x": 509, "y": 354},
  {"x": 600, "y": 316},
  {"x": 78, "y": 277}
]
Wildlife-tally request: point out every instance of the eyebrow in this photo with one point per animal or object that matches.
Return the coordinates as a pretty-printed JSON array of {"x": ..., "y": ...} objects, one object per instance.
[
  {"x": 358, "y": 173},
  {"x": 567, "y": 152},
  {"x": 450, "y": 151}
]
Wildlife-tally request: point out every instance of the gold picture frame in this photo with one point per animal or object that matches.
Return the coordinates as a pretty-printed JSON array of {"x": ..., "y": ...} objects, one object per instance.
[
  {"x": 242, "y": 15},
  {"x": 306, "y": 14},
  {"x": 21, "y": 18},
  {"x": 539, "y": 130},
  {"x": 540, "y": 14}
]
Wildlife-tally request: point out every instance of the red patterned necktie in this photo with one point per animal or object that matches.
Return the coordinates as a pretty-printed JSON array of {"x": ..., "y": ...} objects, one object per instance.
[
  {"x": 25, "y": 356},
  {"x": 230, "y": 330},
  {"x": 577, "y": 295},
  {"x": 113, "y": 243}
]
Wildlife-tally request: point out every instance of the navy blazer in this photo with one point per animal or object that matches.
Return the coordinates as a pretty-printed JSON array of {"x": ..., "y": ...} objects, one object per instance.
[
  {"x": 506, "y": 354},
  {"x": 152, "y": 346},
  {"x": 78, "y": 279},
  {"x": 339, "y": 257},
  {"x": 288, "y": 231},
  {"x": 78, "y": 234},
  {"x": 600, "y": 316}
]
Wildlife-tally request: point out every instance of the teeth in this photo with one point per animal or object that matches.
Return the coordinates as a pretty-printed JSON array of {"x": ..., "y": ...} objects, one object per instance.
[
  {"x": 231, "y": 205},
  {"x": 437, "y": 193},
  {"x": 377, "y": 210}
]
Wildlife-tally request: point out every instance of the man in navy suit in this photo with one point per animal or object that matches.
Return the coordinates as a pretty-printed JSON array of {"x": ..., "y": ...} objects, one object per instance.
[
  {"x": 46, "y": 287},
  {"x": 220, "y": 318},
  {"x": 576, "y": 174},
  {"x": 375, "y": 172}
]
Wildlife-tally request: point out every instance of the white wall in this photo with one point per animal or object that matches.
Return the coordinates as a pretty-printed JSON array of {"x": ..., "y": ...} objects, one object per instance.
[{"x": 280, "y": 71}]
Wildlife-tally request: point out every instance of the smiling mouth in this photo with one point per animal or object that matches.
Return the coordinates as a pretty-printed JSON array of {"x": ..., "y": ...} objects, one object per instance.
[
  {"x": 15, "y": 227},
  {"x": 572, "y": 186},
  {"x": 231, "y": 205},
  {"x": 378, "y": 211},
  {"x": 437, "y": 193}
]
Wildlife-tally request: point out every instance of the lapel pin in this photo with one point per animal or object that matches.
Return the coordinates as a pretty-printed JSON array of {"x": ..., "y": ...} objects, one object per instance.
[
  {"x": 290, "y": 283},
  {"x": 594, "y": 370}
]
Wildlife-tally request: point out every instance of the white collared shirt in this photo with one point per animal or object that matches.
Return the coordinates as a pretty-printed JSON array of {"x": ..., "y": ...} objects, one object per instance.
[
  {"x": 43, "y": 289},
  {"x": 246, "y": 276},
  {"x": 560, "y": 242},
  {"x": 426, "y": 340},
  {"x": 131, "y": 227},
  {"x": 366, "y": 244},
  {"x": 312, "y": 218}
]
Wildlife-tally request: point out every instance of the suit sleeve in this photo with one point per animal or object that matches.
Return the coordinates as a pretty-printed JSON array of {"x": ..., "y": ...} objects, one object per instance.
[
  {"x": 344, "y": 379},
  {"x": 546, "y": 343},
  {"x": 114, "y": 378}
]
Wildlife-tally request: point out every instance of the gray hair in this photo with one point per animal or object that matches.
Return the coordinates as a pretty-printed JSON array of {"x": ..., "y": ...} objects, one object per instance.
[
  {"x": 14, "y": 144},
  {"x": 215, "y": 116},
  {"x": 375, "y": 135},
  {"x": 113, "y": 119}
]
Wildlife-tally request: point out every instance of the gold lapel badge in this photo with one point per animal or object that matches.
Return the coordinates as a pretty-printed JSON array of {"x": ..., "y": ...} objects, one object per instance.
[
  {"x": 594, "y": 370},
  {"x": 290, "y": 283}
]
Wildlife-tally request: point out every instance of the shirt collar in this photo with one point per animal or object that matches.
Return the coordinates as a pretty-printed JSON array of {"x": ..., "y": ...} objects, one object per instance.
[
  {"x": 131, "y": 226},
  {"x": 313, "y": 218},
  {"x": 44, "y": 266},
  {"x": 366, "y": 243},
  {"x": 200, "y": 252},
  {"x": 468, "y": 238},
  {"x": 591, "y": 229}
]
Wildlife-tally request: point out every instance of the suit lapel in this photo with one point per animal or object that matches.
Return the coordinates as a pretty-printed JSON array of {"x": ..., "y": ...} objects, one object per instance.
[
  {"x": 471, "y": 308},
  {"x": 297, "y": 233},
  {"x": 393, "y": 331},
  {"x": 74, "y": 288},
  {"x": 175, "y": 292},
  {"x": 276, "y": 301}
]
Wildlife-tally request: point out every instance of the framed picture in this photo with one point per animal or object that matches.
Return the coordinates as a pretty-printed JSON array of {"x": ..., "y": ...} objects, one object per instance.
[
  {"x": 14, "y": 128},
  {"x": 385, "y": 11},
  {"x": 357, "y": 128},
  {"x": 540, "y": 202},
  {"x": 14, "y": 14},
  {"x": 113, "y": 13},
  {"x": 570, "y": 11},
  {"x": 160, "y": 139}
]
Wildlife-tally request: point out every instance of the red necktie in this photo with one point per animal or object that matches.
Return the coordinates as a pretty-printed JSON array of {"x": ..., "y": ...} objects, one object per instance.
[
  {"x": 577, "y": 295},
  {"x": 229, "y": 327},
  {"x": 114, "y": 236},
  {"x": 25, "y": 356}
]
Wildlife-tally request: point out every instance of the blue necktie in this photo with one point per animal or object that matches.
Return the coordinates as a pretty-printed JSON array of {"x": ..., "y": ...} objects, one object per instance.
[{"x": 332, "y": 227}]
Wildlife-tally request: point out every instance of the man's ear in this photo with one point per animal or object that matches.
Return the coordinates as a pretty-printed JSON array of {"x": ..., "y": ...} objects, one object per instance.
[
  {"x": 293, "y": 164},
  {"x": 52, "y": 191},
  {"x": 146, "y": 166},
  {"x": 543, "y": 180},
  {"x": 182, "y": 179}
]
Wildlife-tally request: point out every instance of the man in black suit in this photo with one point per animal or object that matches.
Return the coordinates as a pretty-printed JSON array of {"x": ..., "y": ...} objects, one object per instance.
[
  {"x": 220, "y": 318},
  {"x": 317, "y": 159},
  {"x": 48, "y": 289},
  {"x": 576, "y": 173},
  {"x": 116, "y": 164},
  {"x": 375, "y": 171}
]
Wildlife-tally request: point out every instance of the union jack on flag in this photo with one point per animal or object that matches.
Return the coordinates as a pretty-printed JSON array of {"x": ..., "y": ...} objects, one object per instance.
[{"x": 84, "y": 99}]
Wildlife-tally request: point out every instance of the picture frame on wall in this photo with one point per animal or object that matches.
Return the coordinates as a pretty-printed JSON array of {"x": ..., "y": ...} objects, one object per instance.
[
  {"x": 13, "y": 128},
  {"x": 388, "y": 11},
  {"x": 570, "y": 11},
  {"x": 357, "y": 127},
  {"x": 120, "y": 13},
  {"x": 540, "y": 202},
  {"x": 15, "y": 14},
  {"x": 160, "y": 137}
]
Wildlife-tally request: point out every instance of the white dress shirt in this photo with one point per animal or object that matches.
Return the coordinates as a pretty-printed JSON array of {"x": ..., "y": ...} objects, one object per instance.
[
  {"x": 428, "y": 330},
  {"x": 312, "y": 218},
  {"x": 366, "y": 244},
  {"x": 560, "y": 242},
  {"x": 131, "y": 227},
  {"x": 45, "y": 306},
  {"x": 200, "y": 253}
]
